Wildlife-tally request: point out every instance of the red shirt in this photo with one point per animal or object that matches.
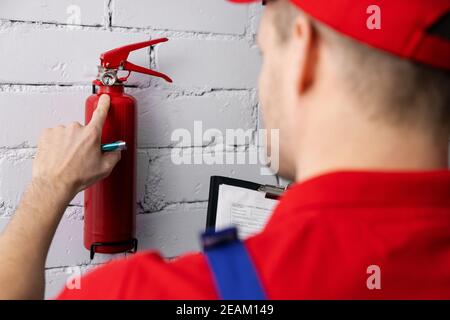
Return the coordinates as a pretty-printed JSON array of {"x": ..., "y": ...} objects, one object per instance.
[{"x": 318, "y": 244}]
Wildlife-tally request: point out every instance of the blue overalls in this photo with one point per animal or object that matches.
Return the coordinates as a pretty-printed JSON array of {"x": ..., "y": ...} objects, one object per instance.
[{"x": 234, "y": 274}]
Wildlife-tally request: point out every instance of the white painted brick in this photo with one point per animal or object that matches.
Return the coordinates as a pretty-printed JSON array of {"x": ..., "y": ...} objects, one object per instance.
[
  {"x": 53, "y": 11},
  {"x": 256, "y": 11},
  {"x": 55, "y": 281},
  {"x": 142, "y": 171},
  {"x": 15, "y": 174},
  {"x": 3, "y": 223},
  {"x": 159, "y": 116},
  {"x": 6, "y": 208},
  {"x": 78, "y": 200},
  {"x": 216, "y": 16},
  {"x": 32, "y": 111},
  {"x": 171, "y": 183},
  {"x": 67, "y": 247},
  {"x": 210, "y": 63},
  {"x": 58, "y": 55},
  {"x": 162, "y": 231},
  {"x": 261, "y": 124}
]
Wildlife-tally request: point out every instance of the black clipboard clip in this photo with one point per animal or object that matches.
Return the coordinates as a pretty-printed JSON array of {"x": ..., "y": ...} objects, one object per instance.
[{"x": 272, "y": 192}]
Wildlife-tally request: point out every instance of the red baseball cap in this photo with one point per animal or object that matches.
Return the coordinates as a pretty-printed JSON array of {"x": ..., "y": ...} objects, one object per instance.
[{"x": 412, "y": 29}]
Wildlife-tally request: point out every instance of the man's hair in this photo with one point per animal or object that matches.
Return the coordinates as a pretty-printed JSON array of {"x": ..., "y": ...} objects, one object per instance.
[{"x": 408, "y": 92}]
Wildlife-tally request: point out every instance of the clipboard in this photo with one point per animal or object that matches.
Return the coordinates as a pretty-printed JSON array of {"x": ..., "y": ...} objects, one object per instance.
[{"x": 271, "y": 192}]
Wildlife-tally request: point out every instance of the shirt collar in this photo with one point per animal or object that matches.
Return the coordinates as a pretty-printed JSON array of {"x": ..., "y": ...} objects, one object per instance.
[{"x": 368, "y": 189}]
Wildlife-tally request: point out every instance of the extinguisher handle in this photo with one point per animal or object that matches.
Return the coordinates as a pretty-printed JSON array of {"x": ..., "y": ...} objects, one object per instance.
[
  {"x": 117, "y": 59},
  {"x": 132, "y": 67}
]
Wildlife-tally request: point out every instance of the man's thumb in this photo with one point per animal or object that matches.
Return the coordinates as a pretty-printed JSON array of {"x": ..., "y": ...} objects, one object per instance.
[{"x": 110, "y": 160}]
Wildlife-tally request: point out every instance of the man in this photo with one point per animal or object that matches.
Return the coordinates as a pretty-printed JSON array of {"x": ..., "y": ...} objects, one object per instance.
[{"x": 364, "y": 116}]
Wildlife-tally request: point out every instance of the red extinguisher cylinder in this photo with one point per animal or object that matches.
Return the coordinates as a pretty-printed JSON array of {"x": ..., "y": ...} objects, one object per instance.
[{"x": 110, "y": 205}]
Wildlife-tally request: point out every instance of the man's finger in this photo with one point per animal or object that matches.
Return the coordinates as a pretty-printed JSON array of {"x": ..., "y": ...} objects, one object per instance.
[
  {"x": 110, "y": 160},
  {"x": 101, "y": 112}
]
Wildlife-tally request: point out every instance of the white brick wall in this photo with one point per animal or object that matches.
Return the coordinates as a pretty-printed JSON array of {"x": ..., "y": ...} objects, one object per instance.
[
  {"x": 215, "y": 63},
  {"x": 215, "y": 16},
  {"x": 48, "y": 62}
]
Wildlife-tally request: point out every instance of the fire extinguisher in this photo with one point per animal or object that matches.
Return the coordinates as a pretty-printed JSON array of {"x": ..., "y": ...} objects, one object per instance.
[{"x": 109, "y": 205}]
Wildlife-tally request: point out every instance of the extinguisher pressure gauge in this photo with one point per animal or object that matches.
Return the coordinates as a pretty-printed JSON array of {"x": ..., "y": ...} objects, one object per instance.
[{"x": 108, "y": 79}]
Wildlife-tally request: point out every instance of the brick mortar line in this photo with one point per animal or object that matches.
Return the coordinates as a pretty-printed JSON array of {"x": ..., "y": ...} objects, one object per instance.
[
  {"x": 166, "y": 203},
  {"x": 169, "y": 205},
  {"x": 82, "y": 265},
  {"x": 140, "y": 211},
  {"x": 109, "y": 13},
  {"x": 13, "y": 150},
  {"x": 61, "y": 269},
  {"x": 172, "y": 92},
  {"x": 176, "y": 34}
]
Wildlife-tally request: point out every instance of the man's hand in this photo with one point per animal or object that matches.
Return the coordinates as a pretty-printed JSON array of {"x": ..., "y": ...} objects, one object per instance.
[
  {"x": 70, "y": 157},
  {"x": 68, "y": 160}
]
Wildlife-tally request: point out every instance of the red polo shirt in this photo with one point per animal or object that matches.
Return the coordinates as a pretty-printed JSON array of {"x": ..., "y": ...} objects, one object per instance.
[{"x": 318, "y": 244}]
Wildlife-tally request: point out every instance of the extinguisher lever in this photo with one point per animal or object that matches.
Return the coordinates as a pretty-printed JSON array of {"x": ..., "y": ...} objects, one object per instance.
[
  {"x": 125, "y": 50},
  {"x": 117, "y": 59},
  {"x": 132, "y": 67}
]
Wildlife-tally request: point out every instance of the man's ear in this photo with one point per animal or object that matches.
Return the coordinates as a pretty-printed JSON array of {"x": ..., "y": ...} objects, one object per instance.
[{"x": 305, "y": 43}]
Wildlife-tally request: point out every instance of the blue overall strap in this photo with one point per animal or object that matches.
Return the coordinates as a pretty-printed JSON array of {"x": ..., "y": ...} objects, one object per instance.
[{"x": 234, "y": 273}]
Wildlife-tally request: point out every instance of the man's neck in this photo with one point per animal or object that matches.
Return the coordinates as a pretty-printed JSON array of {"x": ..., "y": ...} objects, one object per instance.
[{"x": 373, "y": 148}]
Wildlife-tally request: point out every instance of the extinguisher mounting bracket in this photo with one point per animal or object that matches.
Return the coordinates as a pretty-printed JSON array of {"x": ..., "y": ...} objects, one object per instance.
[{"x": 133, "y": 243}]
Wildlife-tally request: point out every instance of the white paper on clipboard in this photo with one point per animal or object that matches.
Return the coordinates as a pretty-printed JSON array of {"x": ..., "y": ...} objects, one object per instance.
[{"x": 247, "y": 209}]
